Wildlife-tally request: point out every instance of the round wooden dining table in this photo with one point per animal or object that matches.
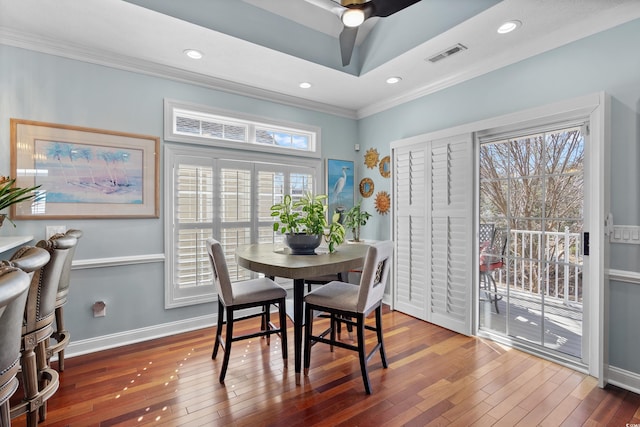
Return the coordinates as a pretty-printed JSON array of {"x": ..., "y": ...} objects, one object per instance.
[{"x": 274, "y": 260}]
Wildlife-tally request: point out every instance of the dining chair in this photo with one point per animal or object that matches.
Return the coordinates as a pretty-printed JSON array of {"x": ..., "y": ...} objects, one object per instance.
[
  {"x": 61, "y": 335},
  {"x": 350, "y": 303},
  {"x": 40, "y": 382},
  {"x": 14, "y": 284},
  {"x": 492, "y": 259},
  {"x": 254, "y": 293}
]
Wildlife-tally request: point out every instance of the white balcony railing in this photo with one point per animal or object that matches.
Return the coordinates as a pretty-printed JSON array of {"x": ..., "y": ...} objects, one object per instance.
[{"x": 544, "y": 262}]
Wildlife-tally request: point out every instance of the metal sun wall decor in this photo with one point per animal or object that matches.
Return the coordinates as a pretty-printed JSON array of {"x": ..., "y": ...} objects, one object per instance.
[
  {"x": 382, "y": 202},
  {"x": 371, "y": 158}
]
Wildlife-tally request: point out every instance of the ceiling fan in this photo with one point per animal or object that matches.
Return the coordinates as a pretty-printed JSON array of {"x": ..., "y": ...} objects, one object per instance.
[{"x": 353, "y": 13}]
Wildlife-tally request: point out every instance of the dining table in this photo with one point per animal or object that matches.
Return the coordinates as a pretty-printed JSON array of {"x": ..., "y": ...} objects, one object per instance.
[{"x": 275, "y": 260}]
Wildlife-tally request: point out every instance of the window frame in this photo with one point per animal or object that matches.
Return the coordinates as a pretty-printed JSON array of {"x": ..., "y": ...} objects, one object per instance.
[
  {"x": 216, "y": 157},
  {"x": 252, "y": 122}
]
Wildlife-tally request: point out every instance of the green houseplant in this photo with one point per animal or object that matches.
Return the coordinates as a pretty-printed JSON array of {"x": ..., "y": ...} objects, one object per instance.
[
  {"x": 306, "y": 217},
  {"x": 356, "y": 218},
  {"x": 10, "y": 195}
]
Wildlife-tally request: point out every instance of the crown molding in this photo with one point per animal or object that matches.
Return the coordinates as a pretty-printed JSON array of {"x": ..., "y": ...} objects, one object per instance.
[{"x": 125, "y": 63}]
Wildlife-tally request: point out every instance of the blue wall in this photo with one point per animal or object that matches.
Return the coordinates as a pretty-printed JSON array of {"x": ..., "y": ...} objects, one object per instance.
[
  {"x": 604, "y": 62},
  {"x": 47, "y": 88},
  {"x": 51, "y": 89}
]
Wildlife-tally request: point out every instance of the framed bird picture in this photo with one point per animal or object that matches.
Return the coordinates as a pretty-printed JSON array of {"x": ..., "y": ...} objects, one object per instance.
[{"x": 340, "y": 186}]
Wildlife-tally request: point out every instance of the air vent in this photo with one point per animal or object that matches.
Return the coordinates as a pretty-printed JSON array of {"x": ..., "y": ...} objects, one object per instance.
[{"x": 448, "y": 52}]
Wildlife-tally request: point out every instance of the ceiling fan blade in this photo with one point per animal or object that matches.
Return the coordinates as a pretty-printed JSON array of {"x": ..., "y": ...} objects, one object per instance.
[
  {"x": 328, "y": 5},
  {"x": 384, "y": 8},
  {"x": 347, "y": 42}
]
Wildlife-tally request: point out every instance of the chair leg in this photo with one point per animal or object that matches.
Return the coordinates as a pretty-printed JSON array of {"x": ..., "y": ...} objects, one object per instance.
[
  {"x": 30, "y": 382},
  {"x": 282, "y": 308},
  {"x": 60, "y": 327},
  {"x": 5, "y": 415},
  {"x": 308, "y": 331},
  {"x": 41, "y": 362},
  {"x": 267, "y": 321},
  {"x": 218, "y": 329},
  {"x": 335, "y": 324},
  {"x": 383, "y": 355},
  {"x": 495, "y": 290},
  {"x": 361, "y": 353},
  {"x": 227, "y": 344}
]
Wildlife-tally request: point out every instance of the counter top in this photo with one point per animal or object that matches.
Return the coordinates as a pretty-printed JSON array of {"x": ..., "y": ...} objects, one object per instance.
[{"x": 9, "y": 242}]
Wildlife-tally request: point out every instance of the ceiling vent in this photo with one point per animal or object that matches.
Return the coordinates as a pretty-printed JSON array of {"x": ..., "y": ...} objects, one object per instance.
[{"x": 448, "y": 52}]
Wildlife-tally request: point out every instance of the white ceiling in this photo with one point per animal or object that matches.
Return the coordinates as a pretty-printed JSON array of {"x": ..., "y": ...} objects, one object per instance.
[{"x": 124, "y": 35}]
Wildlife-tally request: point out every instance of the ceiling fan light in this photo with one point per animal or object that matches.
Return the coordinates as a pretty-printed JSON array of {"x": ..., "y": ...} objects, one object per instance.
[{"x": 353, "y": 17}]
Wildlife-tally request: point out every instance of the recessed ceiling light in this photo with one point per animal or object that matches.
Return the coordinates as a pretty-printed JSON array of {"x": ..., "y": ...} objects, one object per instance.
[
  {"x": 193, "y": 54},
  {"x": 509, "y": 26},
  {"x": 393, "y": 80},
  {"x": 305, "y": 85}
]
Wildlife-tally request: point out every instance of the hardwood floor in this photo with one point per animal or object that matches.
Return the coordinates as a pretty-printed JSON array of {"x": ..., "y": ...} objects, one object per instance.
[{"x": 435, "y": 377}]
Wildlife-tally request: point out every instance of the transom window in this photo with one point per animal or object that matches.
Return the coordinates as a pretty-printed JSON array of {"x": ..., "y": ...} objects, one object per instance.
[{"x": 207, "y": 126}]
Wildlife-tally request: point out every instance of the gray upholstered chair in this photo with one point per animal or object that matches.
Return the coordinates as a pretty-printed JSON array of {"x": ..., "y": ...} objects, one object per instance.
[
  {"x": 351, "y": 304},
  {"x": 61, "y": 335},
  {"x": 40, "y": 382},
  {"x": 255, "y": 293},
  {"x": 14, "y": 284}
]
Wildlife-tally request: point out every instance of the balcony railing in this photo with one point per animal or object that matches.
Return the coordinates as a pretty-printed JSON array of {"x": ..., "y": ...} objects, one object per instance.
[{"x": 548, "y": 263}]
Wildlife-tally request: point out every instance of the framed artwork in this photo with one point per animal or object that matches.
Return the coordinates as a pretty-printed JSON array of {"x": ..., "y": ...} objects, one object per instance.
[
  {"x": 84, "y": 172},
  {"x": 340, "y": 186}
]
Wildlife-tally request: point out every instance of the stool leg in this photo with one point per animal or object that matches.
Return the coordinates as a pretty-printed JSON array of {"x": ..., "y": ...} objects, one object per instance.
[
  {"x": 60, "y": 328},
  {"x": 361, "y": 353},
  {"x": 218, "y": 329},
  {"x": 308, "y": 332},
  {"x": 383, "y": 355},
  {"x": 227, "y": 344}
]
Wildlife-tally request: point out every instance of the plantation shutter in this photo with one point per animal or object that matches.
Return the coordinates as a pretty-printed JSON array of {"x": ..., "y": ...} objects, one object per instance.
[
  {"x": 193, "y": 195},
  {"x": 433, "y": 207},
  {"x": 449, "y": 253},
  {"x": 410, "y": 204}
]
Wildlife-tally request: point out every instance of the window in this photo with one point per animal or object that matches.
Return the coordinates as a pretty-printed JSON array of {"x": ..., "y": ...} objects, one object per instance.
[
  {"x": 226, "y": 195},
  {"x": 206, "y": 126}
]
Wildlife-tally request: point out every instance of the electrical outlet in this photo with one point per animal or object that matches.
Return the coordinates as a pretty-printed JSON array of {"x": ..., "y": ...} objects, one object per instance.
[
  {"x": 55, "y": 229},
  {"x": 99, "y": 309}
]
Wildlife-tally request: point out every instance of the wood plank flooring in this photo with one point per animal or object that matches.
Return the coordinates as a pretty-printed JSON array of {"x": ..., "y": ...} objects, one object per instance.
[{"x": 435, "y": 377}]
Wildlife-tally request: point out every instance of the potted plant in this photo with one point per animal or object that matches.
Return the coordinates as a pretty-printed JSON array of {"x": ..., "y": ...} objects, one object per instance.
[
  {"x": 356, "y": 218},
  {"x": 304, "y": 224},
  {"x": 10, "y": 195}
]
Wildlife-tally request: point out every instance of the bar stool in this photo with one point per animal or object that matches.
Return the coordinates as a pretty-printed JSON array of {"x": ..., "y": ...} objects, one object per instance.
[
  {"x": 40, "y": 382},
  {"x": 61, "y": 335},
  {"x": 14, "y": 284}
]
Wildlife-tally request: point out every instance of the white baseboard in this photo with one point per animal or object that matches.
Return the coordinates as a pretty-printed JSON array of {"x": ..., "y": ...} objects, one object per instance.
[
  {"x": 624, "y": 379},
  {"x": 105, "y": 342}
]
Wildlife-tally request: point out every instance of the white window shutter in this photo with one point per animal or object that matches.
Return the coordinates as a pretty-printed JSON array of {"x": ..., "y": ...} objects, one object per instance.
[
  {"x": 449, "y": 252},
  {"x": 432, "y": 230},
  {"x": 409, "y": 196}
]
